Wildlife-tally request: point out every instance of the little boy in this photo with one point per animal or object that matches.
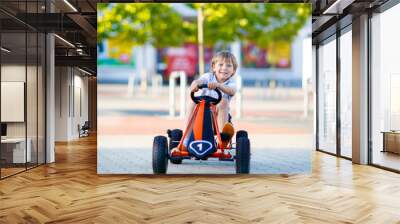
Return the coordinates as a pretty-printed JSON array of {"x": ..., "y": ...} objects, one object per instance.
[{"x": 223, "y": 68}]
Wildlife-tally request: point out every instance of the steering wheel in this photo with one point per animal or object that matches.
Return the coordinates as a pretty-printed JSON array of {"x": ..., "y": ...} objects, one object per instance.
[{"x": 197, "y": 99}]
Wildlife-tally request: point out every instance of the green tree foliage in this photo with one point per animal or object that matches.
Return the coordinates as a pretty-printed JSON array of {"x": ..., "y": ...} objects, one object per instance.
[
  {"x": 160, "y": 25},
  {"x": 259, "y": 23},
  {"x": 140, "y": 23}
]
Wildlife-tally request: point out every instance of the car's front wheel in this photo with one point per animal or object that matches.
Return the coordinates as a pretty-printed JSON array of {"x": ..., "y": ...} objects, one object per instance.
[{"x": 160, "y": 155}]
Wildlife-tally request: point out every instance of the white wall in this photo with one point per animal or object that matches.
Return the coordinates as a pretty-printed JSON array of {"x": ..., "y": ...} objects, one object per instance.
[
  {"x": 71, "y": 94},
  {"x": 82, "y": 83},
  {"x": 62, "y": 81},
  {"x": 80, "y": 109}
]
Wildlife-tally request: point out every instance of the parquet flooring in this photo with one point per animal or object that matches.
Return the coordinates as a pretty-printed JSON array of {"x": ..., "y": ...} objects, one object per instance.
[
  {"x": 10, "y": 171},
  {"x": 70, "y": 191}
]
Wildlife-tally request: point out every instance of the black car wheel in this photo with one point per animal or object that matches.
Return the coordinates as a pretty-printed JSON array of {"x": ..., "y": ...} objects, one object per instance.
[
  {"x": 160, "y": 155},
  {"x": 240, "y": 134},
  {"x": 243, "y": 155}
]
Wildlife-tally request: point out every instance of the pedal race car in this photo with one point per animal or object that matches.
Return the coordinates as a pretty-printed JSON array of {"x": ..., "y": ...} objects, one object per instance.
[{"x": 202, "y": 139}]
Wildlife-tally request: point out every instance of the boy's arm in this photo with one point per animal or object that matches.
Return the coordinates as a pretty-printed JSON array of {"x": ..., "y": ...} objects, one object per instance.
[
  {"x": 228, "y": 89},
  {"x": 194, "y": 87}
]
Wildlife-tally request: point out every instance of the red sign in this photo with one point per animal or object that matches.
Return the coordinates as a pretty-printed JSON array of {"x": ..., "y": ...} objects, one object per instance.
[{"x": 182, "y": 59}]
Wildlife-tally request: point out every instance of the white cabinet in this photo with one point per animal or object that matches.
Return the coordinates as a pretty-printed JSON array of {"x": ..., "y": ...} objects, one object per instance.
[{"x": 18, "y": 149}]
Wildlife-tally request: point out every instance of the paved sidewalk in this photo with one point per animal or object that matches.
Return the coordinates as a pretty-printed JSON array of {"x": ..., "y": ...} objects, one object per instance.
[{"x": 127, "y": 154}]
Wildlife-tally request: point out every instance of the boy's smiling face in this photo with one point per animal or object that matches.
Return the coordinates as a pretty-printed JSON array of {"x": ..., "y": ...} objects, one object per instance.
[{"x": 223, "y": 69}]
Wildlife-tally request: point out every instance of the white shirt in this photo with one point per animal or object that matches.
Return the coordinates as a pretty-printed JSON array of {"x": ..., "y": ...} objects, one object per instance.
[{"x": 210, "y": 77}]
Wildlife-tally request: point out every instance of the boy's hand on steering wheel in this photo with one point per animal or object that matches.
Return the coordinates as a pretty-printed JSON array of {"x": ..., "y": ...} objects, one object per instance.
[
  {"x": 194, "y": 87},
  {"x": 213, "y": 85}
]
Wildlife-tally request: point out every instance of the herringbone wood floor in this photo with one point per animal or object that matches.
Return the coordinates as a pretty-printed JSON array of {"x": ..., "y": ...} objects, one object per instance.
[{"x": 70, "y": 191}]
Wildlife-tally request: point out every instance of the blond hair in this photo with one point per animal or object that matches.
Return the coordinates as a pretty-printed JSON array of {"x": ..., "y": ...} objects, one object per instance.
[{"x": 224, "y": 56}]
